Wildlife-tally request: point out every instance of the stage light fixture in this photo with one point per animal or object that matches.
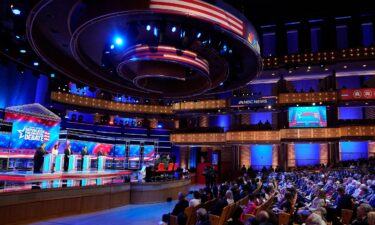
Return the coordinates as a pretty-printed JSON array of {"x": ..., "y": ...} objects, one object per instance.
[
  {"x": 119, "y": 41},
  {"x": 36, "y": 63},
  {"x": 199, "y": 35},
  {"x": 156, "y": 31},
  {"x": 15, "y": 10},
  {"x": 23, "y": 51},
  {"x": 112, "y": 46},
  {"x": 174, "y": 29},
  {"x": 52, "y": 75}
]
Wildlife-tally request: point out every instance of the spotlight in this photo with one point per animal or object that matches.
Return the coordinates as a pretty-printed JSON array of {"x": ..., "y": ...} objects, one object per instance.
[
  {"x": 148, "y": 27},
  {"x": 174, "y": 29},
  {"x": 222, "y": 83},
  {"x": 119, "y": 41},
  {"x": 36, "y": 64},
  {"x": 155, "y": 31},
  {"x": 199, "y": 35},
  {"x": 112, "y": 46},
  {"x": 15, "y": 10},
  {"x": 18, "y": 37},
  {"x": 23, "y": 51},
  {"x": 52, "y": 75}
]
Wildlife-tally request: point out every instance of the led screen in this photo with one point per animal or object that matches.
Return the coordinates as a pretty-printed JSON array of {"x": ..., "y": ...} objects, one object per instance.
[
  {"x": 134, "y": 152},
  {"x": 29, "y": 132},
  {"x": 120, "y": 150},
  {"x": 149, "y": 152},
  {"x": 4, "y": 139},
  {"x": 92, "y": 147},
  {"x": 310, "y": 116}
]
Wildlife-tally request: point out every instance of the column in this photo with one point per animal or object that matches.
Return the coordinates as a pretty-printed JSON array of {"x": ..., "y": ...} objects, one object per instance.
[
  {"x": 324, "y": 153},
  {"x": 245, "y": 156},
  {"x": 275, "y": 160},
  {"x": 203, "y": 121},
  {"x": 291, "y": 155}
]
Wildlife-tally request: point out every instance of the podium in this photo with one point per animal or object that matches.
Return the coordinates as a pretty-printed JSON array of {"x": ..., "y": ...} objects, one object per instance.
[
  {"x": 59, "y": 162},
  {"x": 47, "y": 163},
  {"x": 72, "y": 163},
  {"x": 86, "y": 161},
  {"x": 101, "y": 163}
]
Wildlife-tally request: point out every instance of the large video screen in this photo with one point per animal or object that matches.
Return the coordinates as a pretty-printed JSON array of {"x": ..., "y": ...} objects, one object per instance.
[
  {"x": 92, "y": 147},
  {"x": 134, "y": 152},
  {"x": 119, "y": 150},
  {"x": 310, "y": 116},
  {"x": 149, "y": 152},
  {"x": 29, "y": 132},
  {"x": 4, "y": 139}
]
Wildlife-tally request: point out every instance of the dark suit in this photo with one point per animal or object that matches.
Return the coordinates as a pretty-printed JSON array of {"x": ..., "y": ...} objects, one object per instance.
[
  {"x": 219, "y": 206},
  {"x": 39, "y": 159},
  {"x": 67, "y": 153},
  {"x": 180, "y": 207},
  {"x": 83, "y": 153}
]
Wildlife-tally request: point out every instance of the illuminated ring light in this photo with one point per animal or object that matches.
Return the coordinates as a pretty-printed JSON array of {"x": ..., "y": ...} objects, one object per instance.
[
  {"x": 74, "y": 38},
  {"x": 164, "y": 69}
]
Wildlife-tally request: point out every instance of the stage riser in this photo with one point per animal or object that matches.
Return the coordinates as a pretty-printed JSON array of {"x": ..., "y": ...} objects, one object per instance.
[
  {"x": 43, "y": 204},
  {"x": 34, "y": 205}
]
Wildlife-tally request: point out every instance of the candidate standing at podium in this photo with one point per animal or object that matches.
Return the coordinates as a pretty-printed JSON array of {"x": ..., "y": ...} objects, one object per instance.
[
  {"x": 83, "y": 153},
  {"x": 67, "y": 154},
  {"x": 55, "y": 152},
  {"x": 38, "y": 158}
]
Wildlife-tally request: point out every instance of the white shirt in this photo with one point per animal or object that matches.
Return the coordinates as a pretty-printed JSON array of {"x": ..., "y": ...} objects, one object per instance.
[
  {"x": 194, "y": 202},
  {"x": 55, "y": 152}
]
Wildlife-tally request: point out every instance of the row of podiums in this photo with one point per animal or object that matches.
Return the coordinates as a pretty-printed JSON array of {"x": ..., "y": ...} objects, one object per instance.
[{"x": 73, "y": 163}]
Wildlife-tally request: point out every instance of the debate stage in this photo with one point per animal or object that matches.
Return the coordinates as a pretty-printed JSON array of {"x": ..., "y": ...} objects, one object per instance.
[
  {"x": 28, "y": 176},
  {"x": 27, "y": 197}
]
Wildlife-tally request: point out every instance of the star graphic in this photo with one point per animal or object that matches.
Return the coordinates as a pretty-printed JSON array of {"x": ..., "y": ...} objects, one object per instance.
[{"x": 22, "y": 133}]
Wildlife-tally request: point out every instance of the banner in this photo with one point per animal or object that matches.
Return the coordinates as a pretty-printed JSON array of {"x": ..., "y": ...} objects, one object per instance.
[
  {"x": 358, "y": 94},
  {"x": 29, "y": 132},
  {"x": 252, "y": 101}
]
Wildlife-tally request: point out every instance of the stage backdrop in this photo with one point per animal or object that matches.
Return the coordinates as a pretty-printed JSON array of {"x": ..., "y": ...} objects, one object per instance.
[
  {"x": 353, "y": 150},
  {"x": 307, "y": 154},
  {"x": 32, "y": 125},
  {"x": 261, "y": 155}
]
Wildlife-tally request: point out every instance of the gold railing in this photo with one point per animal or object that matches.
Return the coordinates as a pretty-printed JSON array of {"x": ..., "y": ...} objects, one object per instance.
[
  {"x": 109, "y": 105},
  {"x": 291, "y": 98},
  {"x": 274, "y": 136}
]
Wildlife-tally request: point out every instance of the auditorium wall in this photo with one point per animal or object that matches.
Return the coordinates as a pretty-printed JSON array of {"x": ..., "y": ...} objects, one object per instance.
[{"x": 352, "y": 150}]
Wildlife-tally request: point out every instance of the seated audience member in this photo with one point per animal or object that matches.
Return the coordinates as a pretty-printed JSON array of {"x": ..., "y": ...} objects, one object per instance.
[
  {"x": 250, "y": 208},
  {"x": 178, "y": 208},
  {"x": 371, "y": 218},
  {"x": 262, "y": 218},
  {"x": 319, "y": 201},
  {"x": 196, "y": 200},
  {"x": 220, "y": 204},
  {"x": 315, "y": 219},
  {"x": 229, "y": 197},
  {"x": 202, "y": 217},
  {"x": 235, "y": 220},
  {"x": 362, "y": 212},
  {"x": 286, "y": 204}
]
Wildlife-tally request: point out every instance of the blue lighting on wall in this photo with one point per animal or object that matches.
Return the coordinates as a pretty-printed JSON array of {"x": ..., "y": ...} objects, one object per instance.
[
  {"x": 15, "y": 89},
  {"x": 261, "y": 116},
  {"x": 84, "y": 91},
  {"x": 350, "y": 113},
  {"x": 306, "y": 85},
  {"x": 261, "y": 155},
  {"x": 307, "y": 154},
  {"x": 353, "y": 150},
  {"x": 348, "y": 82},
  {"x": 220, "y": 121},
  {"x": 119, "y": 41}
]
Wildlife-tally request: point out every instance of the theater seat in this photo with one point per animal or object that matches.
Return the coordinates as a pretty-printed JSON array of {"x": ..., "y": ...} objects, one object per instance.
[
  {"x": 161, "y": 167},
  {"x": 170, "y": 166}
]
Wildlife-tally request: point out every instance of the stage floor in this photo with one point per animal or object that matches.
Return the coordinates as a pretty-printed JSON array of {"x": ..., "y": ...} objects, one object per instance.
[{"x": 27, "y": 180}]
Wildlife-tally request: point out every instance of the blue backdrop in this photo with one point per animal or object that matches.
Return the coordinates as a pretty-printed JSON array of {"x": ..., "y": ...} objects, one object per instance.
[
  {"x": 261, "y": 116},
  {"x": 353, "y": 150},
  {"x": 307, "y": 154},
  {"x": 352, "y": 113},
  {"x": 261, "y": 155}
]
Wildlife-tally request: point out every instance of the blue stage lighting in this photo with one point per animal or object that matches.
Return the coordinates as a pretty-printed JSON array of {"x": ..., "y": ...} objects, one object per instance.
[
  {"x": 52, "y": 75},
  {"x": 119, "y": 41},
  {"x": 199, "y": 35},
  {"x": 155, "y": 31},
  {"x": 23, "y": 51},
  {"x": 16, "y": 11},
  {"x": 148, "y": 27},
  {"x": 174, "y": 29},
  {"x": 36, "y": 64},
  {"x": 160, "y": 126},
  {"x": 112, "y": 46}
]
